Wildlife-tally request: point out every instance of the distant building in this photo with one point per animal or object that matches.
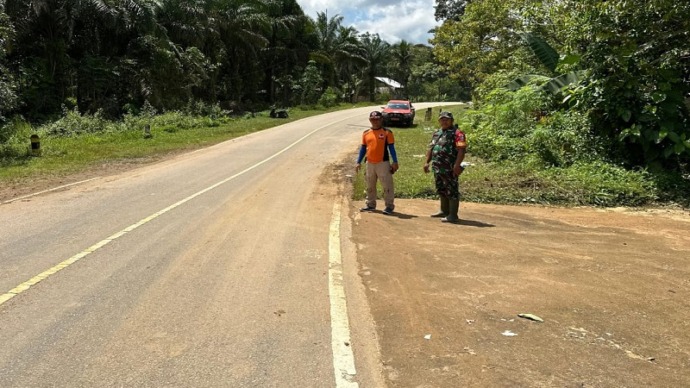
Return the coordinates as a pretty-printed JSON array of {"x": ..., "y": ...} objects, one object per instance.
[{"x": 390, "y": 86}]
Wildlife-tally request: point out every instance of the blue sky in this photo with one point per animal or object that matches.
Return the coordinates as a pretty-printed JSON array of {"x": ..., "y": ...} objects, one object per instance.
[{"x": 393, "y": 20}]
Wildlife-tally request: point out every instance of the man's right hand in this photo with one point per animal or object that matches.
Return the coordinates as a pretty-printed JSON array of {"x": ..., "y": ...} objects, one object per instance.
[
  {"x": 426, "y": 168},
  {"x": 357, "y": 168}
]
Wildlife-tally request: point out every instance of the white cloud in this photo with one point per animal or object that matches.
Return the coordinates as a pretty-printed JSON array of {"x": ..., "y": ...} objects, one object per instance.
[
  {"x": 393, "y": 20},
  {"x": 311, "y": 7}
]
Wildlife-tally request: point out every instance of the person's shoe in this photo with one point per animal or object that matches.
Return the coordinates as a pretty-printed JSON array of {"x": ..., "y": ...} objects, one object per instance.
[
  {"x": 452, "y": 217},
  {"x": 367, "y": 209},
  {"x": 388, "y": 211},
  {"x": 444, "y": 208}
]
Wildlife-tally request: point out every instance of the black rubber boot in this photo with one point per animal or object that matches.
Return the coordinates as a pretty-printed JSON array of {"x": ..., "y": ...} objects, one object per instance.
[
  {"x": 444, "y": 208},
  {"x": 453, "y": 205}
]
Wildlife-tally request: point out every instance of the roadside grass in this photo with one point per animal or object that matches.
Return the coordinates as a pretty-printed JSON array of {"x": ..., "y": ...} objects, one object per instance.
[
  {"x": 582, "y": 184},
  {"x": 125, "y": 142},
  {"x": 99, "y": 142}
]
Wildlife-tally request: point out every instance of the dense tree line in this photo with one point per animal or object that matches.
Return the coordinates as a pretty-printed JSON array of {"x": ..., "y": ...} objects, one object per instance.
[
  {"x": 118, "y": 56},
  {"x": 623, "y": 66}
]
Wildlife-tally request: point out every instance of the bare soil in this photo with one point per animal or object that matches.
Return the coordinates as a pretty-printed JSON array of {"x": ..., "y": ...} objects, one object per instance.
[
  {"x": 14, "y": 190},
  {"x": 611, "y": 286}
]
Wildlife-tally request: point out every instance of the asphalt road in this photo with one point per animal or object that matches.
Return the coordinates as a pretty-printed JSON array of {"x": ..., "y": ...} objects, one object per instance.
[{"x": 213, "y": 269}]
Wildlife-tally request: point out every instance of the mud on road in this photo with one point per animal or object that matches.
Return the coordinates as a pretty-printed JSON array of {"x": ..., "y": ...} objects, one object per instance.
[{"x": 612, "y": 288}]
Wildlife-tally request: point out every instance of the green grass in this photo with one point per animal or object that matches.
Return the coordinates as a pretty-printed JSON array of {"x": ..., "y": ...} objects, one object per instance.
[
  {"x": 592, "y": 184},
  {"x": 114, "y": 142}
]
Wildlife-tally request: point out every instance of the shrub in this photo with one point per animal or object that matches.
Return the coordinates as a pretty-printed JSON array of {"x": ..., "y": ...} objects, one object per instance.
[
  {"x": 74, "y": 123},
  {"x": 604, "y": 184},
  {"x": 329, "y": 98},
  {"x": 562, "y": 138}
]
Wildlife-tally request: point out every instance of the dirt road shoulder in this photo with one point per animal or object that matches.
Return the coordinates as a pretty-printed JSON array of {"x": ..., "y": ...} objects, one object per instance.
[{"x": 612, "y": 288}]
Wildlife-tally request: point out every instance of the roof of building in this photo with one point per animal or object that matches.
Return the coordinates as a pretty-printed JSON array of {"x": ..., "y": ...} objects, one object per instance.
[{"x": 390, "y": 82}]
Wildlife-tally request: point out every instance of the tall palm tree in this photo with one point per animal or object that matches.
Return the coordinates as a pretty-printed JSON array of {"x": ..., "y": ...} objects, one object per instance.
[
  {"x": 186, "y": 22},
  {"x": 241, "y": 26},
  {"x": 401, "y": 55},
  {"x": 326, "y": 31},
  {"x": 286, "y": 19},
  {"x": 43, "y": 29},
  {"x": 375, "y": 53},
  {"x": 349, "y": 57}
]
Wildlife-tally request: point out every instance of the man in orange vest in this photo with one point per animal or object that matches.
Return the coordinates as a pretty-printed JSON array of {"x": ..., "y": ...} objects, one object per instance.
[{"x": 378, "y": 145}]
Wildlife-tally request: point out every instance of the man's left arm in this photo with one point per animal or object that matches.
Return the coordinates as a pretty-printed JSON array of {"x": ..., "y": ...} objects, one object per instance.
[
  {"x": 390, "y": 141},
  {"x": 461, "y": 145},
  {"x": 457, "y": 166},
  {"x": 394, "y": 157}
]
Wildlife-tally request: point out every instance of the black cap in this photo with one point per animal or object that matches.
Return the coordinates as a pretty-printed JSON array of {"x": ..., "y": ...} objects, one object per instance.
[
  {"x": 447, "y": 115},
  {"x": 375, "y": 115}
]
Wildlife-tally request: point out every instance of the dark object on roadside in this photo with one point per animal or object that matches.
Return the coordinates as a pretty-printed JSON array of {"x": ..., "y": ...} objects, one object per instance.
[
  {"x": 35, "y": 147},
  {"x": 279, "y": 113}
]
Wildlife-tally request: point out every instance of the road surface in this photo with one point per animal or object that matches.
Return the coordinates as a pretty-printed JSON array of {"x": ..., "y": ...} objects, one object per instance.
[{"x": 222, "y": 267}]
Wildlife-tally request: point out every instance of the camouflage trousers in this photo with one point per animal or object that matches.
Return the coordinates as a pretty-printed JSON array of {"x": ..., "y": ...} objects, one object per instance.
[{"x": 446, "y": 183}]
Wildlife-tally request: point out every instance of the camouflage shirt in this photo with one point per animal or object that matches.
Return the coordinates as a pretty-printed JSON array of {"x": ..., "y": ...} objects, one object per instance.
[{"x": 444, "y": 148}]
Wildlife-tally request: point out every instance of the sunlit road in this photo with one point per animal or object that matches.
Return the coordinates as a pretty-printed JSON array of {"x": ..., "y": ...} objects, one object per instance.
[{"x": 211, "y": 269}]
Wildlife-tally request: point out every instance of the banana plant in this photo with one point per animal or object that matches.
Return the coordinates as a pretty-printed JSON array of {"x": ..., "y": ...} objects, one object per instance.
[{"x": 553, "y": 83}]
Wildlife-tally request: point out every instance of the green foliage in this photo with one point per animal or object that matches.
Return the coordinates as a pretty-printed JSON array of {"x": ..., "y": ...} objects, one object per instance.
[
  {"x": 112, "y": 57},
  {"x": 375, "y": 52},
  {"x": 450, "y": 9},
  {"x": 563, "y": 138},
  {"x": 74, "y": 123},
  {"x": 383, "y": 97},
  {"x": 329, "y": 98},
  {"x": 482, "y": 41},
  {"x": 309, "y": 84},
  {"x": 518, "y": 126},
  {"x": 626, "y": 67},
  {"x": 592, "y": 184},
  {"x": 201, "y": 108},
  {"x": 603, "y": 184},
  {"x": 582, "y": 182},
  {"x": 14, "y": 140},
  {"x": 8, "y": 87},
  {"x": 639, "y": 77},
  {"x": 544, "y": 52}
]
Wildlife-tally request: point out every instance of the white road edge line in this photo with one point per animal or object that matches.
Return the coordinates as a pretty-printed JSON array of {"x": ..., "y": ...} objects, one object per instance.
[
  {"x": 47, "y": 191},
  {"x": 53, "y": 270},
  {"x": 343, "y": 357}
]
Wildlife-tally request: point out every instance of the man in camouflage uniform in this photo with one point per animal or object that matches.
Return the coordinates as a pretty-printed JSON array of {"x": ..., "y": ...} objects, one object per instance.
[{"x": 445, "y": 153}]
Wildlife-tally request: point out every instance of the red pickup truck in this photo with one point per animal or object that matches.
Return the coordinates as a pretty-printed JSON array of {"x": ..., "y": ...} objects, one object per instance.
[{"x": 400, "y": 112}]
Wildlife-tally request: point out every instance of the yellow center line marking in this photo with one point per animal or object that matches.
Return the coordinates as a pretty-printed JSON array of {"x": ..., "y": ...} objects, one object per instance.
[{"x": 55, "y": 269}]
